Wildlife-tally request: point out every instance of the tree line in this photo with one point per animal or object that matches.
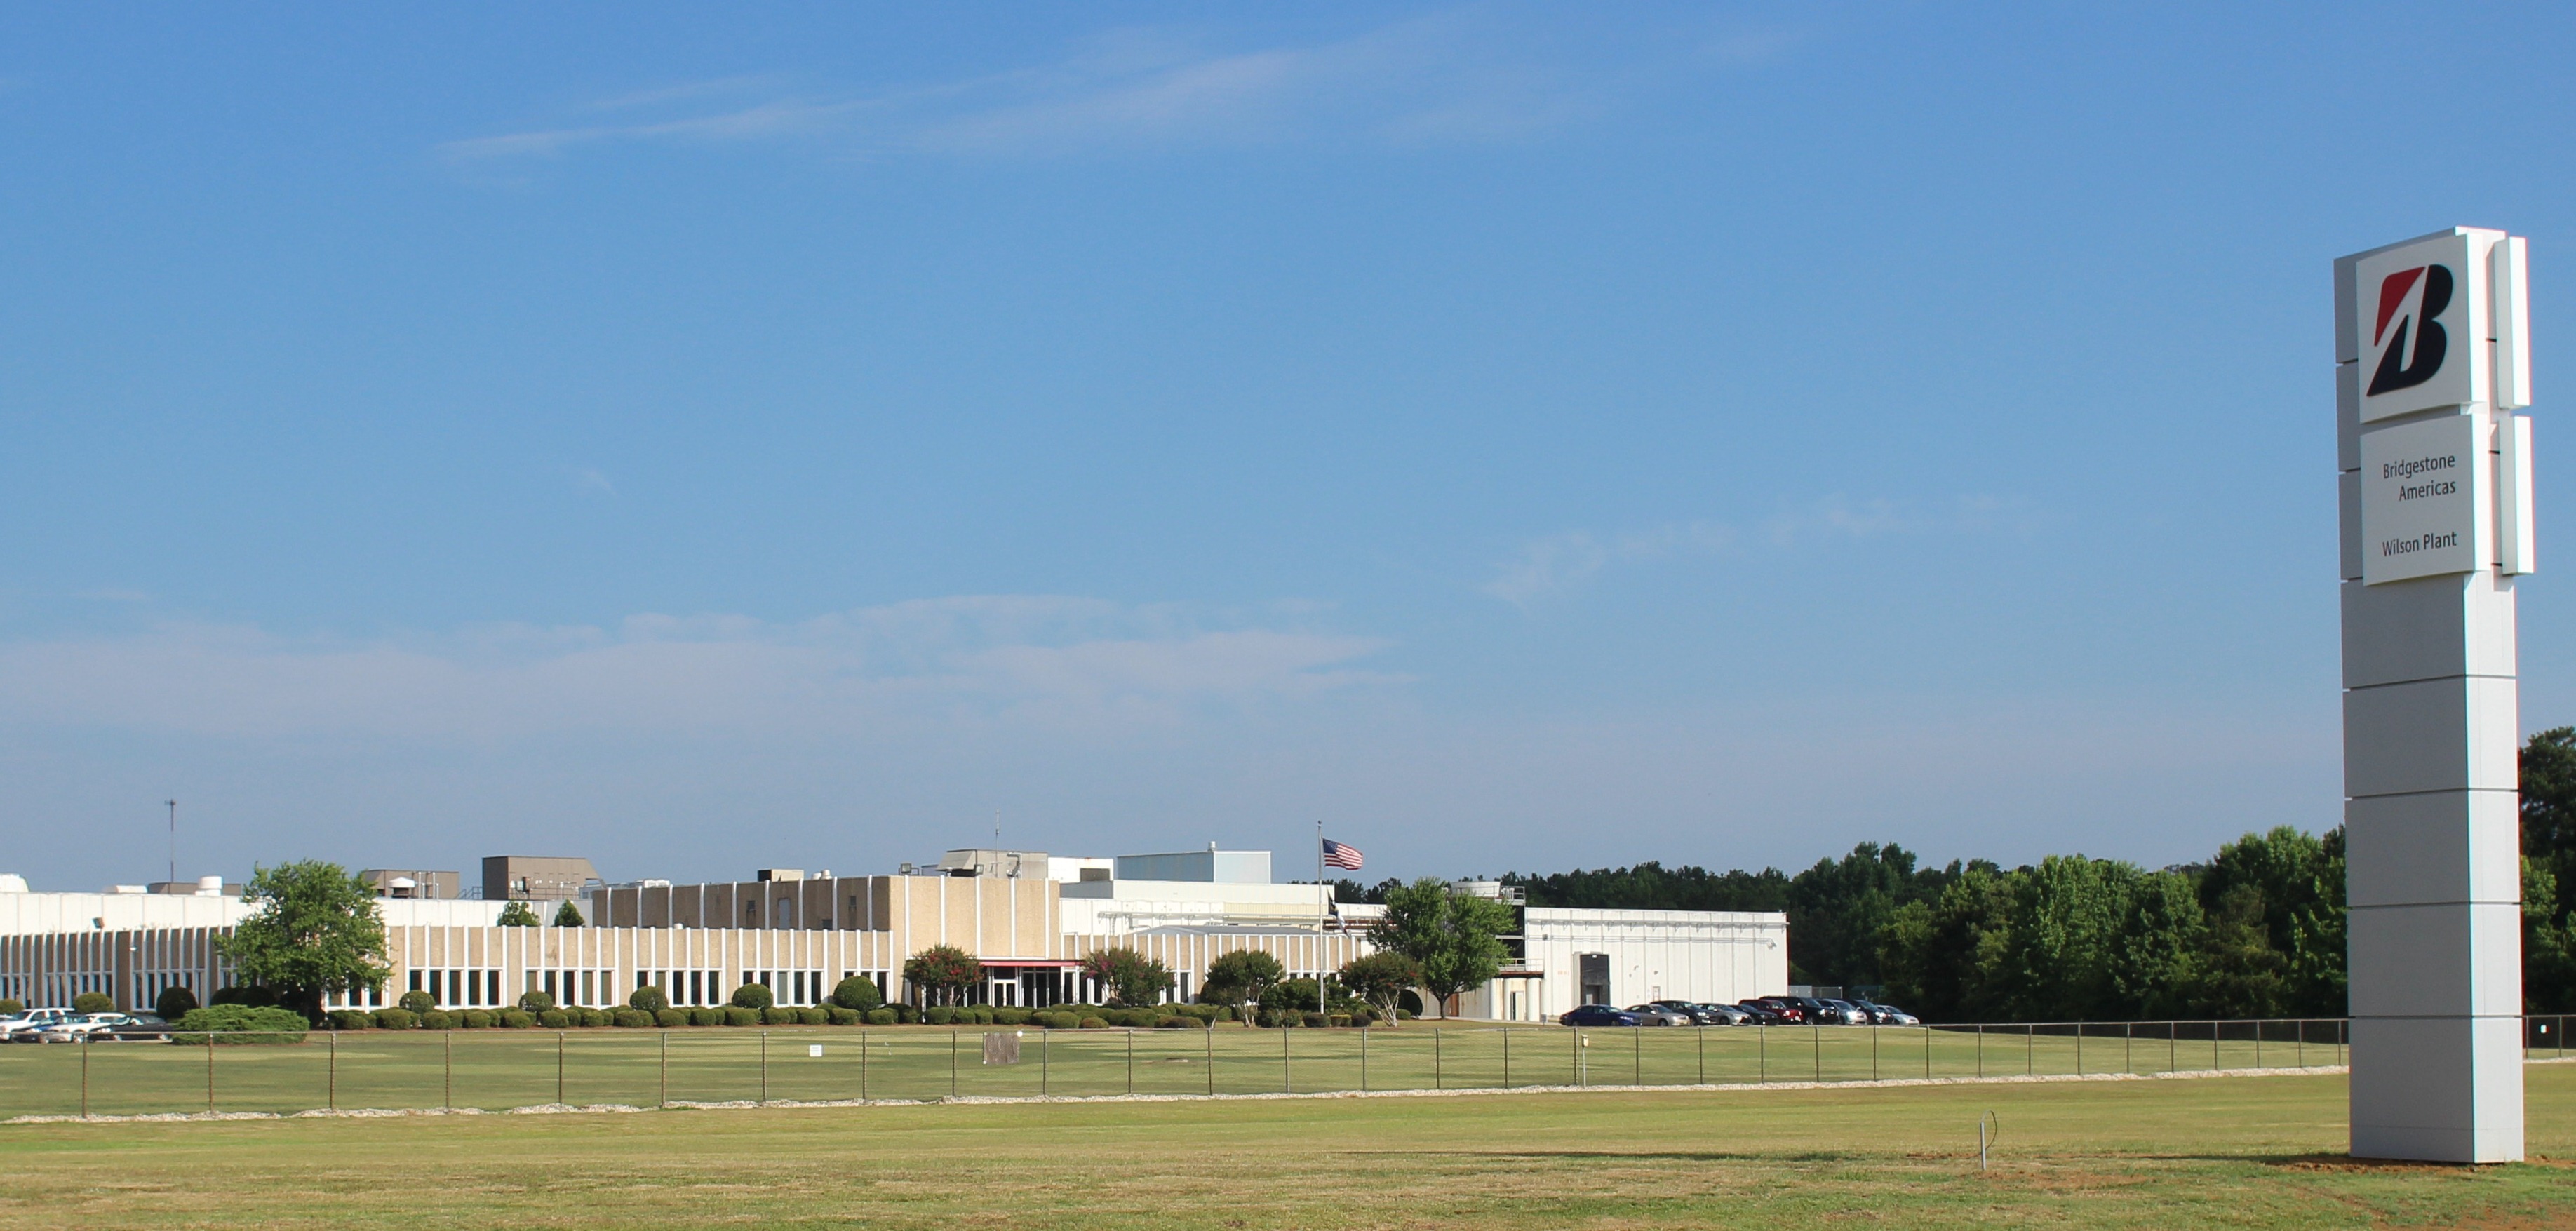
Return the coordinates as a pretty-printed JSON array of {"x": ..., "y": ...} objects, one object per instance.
[{"x": 2255, "y": 930}]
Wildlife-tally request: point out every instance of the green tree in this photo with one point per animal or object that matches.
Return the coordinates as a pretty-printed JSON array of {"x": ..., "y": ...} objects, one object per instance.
[
  {"x": 1239, "y": 979},
  {"x": 1455, "y": 938},
  {"x": 2549, "y": 871},
  {"x": 313, "y": 929},
  {"x": 1948, "y": 958},
  {"x": 748, "y": 996},
  {"x": 517, "y": 915},
  {"x": 2288, "y": 887},
  {"x": 943, "y": 972},
  {"x": 2162, "y": 935},
  {"x": 1132, "y": 978},
  {"x": 568, "y": 915},
  {"x": 1381, "y": 979}
]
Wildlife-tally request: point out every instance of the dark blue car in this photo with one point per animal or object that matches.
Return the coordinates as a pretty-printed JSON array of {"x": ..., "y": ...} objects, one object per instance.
[{"x": 1600, "y": 1015}]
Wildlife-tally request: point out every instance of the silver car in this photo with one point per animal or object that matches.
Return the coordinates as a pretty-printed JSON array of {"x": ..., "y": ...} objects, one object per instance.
[
  {"x": 22, "y": 1027},
  {"x": 1844, "y": 1013},
  {"x": 1658, "y": 1015}
]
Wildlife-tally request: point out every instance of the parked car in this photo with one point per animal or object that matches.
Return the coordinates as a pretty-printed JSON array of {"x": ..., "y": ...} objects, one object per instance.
[
  {"x": 1700, "y": 1014},
  {"x": 1600, "y": 1015},
  {"x": 27, "y": 1023},
  {"x": 1842, "y": 1013},
  {"x": 1811, "y": 1011},
  {"x": 1888, "y": 1015},
  {"x": 76, "y": 1028},
  {"x": 1725, "y": 1014},
  {"x": 1787, "y": 1012},
  {"x": 137, "y": 1027},
  {"x": 1658, "y": 1015}
]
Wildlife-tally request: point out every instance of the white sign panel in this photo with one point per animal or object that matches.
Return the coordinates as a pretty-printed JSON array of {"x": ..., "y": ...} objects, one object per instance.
[
  {"x": 2424, "y": 499},
  {"x": 2422, "y": 311}
]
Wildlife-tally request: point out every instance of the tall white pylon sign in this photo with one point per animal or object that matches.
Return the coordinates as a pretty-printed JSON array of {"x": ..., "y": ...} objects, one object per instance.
[{"x": 2431, "y": 355}]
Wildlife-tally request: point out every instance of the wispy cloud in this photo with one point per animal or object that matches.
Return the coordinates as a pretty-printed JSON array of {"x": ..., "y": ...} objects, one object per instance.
[
  {"x": 1556, "y": 564},
  {"x": 1444, "y": 78},
  {"x": 590, "y": 480},
  {"x": 1011, "y": 660}
]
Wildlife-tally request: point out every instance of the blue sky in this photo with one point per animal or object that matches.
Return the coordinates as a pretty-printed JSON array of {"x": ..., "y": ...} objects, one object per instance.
[{"x": 1517, "y": 437}]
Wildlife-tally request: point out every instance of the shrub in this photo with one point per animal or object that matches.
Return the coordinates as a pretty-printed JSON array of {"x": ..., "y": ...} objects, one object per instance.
[
  {"x": 475, "y": 1019},
  {"x": 648, "y": 999},
  {"x": 753, "y": 996},
  {"x": 1227, "y": 1013},
  {"x": 1265, "y": 1019},
  {"x": 633, "y": 1019},
  {"x": 975, "y": 1015},
  {"x": 588, "y": 1017},
  {"x": 93, "y": 1002},
  {"x": 857, "y": 992},
  {"x": 416, "y": 1002},
  {"x": 554, "y": 1019},
  {"x": 938, "y": 1015},
  {"x": 1174, "y": 1022},
  {"x": 739, "y": 1016},
  {"x": 235, "y": 994},
  {"x": 1334, "y": 1019},
  {"x": 1404, "y": 1015},
  {"x": 1317, "y": 1020},
  {"x": 839, "y": 1016},
  {"x": 881, "y": 1017},
  {"x": 811, "y": 1016},
  {"x": 706, "y": 1017},
  {"x": 1010, "y": 1017},
  {"x": 242, "y": 1023},
  {"x": 1093, "y": 1023},
  {"x": 906, "y": 1014},
  {"x": 350, "y": 1019},
  {"x": 671, "y": 1017},
  {"x": 172, "y": 1004},
  {"x": 517, "y": 1019},
  {"x": 396, "y": 1019},
  {"x": 536, "y": 1001},
  {"x": 438, "y": 1019},
  {"x": 11, "y": 1006},
  {"x": 778, "y": 1015}
]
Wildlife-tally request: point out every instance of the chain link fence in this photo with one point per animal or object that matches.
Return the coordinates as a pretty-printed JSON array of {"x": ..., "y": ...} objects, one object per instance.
[{"x": 500, "y": 1069}]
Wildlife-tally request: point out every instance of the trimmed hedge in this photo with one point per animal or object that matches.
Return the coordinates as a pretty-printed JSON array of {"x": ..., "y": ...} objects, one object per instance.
[
  {"x": 438, "y": 1019},
  {"x": 93, "y": 1002},
  {"x": 1317, "y": 1020},
  {"x": 172, "y": 1004},
  {"x": 739, "y": 1016},
  {"x": 241, "y": 1023},
  {"x": 1007, "y": 1016},
  {"x": 589, "y": 1017},
  {"x": 416, "y": 1002},
  {"x": 475, "y": 1019},
  {"x": 938, "y": 1015},
  {"x": 11, "y": 1006},
  {"x": 647, "y": 999},
  {"x": 1094, "y": 1023},
  {"x": 778, "y": 1015},
  {"x": 536, "y": 1002},
  {"x": 517, "y": 1019},
  {"x": 811, "y": 1016},
  {"x": 633, "y": 1019},
  {"x": 881, "y": 1017},
  {"x": 554, "y": 1019},
  {"x": 905, "y": 1015},
  {"x": 858, "y": 992},
  {"x": 845, "y": 1017},
  {"x": 753, "y": 996},
  {"x": 706, "y": 1017},
  {"x": 396, "y": 1019},
  {"x": 350, "y": 1019}
]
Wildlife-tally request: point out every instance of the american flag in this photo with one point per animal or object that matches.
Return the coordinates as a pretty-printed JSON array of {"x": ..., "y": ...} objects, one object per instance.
[{"x": 1341, "y": 855}]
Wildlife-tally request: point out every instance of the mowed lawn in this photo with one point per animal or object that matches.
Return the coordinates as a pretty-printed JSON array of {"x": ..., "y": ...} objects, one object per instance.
[{"x": 2228, "y": 1151}]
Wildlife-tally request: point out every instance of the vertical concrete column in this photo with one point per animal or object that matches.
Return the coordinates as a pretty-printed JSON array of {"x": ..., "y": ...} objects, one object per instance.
[{"x": 2431, "y": 745}]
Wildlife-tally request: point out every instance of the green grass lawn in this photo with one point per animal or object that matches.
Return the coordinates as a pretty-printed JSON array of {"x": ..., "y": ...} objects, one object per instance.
[
  {"x": 501, "y": 1069},
  {"x": 2231, "y": 1152}
]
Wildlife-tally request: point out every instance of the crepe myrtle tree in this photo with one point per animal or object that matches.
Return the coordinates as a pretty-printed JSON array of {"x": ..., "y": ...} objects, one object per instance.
[
  {"x": 1239, "y": 979},
  {"x": 1132, "y": 978},
  {"x": 1381, "y": 979},
  {"x": 943, "y": 972},
  {"x": 313, "y": 928}
]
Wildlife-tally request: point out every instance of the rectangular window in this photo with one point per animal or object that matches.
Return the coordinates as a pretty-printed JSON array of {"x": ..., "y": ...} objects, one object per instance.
[
  {"x": 697, "y": 986},
  {"x": 492, "y": 987},
  {"x": 455, "y": 987}
]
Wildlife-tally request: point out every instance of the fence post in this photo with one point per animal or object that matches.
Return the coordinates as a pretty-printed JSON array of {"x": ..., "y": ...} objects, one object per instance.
[
  {"x": 559, "y": 1063},
  {"x": 1577, "y": 1036},
  {"x": 2215, "y": 1063},
  {"x": 764, "y": 1066},
  {"x": 1981, "y": 1049},
  {"x": 1927, "y": 1053},
  {"x": 1703, "y": 1055},
  {"x": 1507, "y": 1057},
  {"x": 2079, "y": 1049},
  {"x": 1435, "y": 1058},
  {"x": 1363, "y": 1059},
  {"x": 2258, "y": 1042},
  {"x": 1636, "y": 1055},
  {"x": 1131, "y": 1060},
  {"x": 1873, "y": 1049},
  {"x": 446, "y": 1073},
  {"x": 84, "y": 1055},
  {"x": 1287, "y": 1077},
  {"x": 330, "y": 1073},
  {"x": 2173, "y": 1045},
  {"x": 1042, "y": 1067},
  {"x": 1761, "y": 1053},
  {"x": 952, "y": 1063},
  {"x": 1210, "y": 1032},
  {"x": 2030, "y": 1049},
  {"x": 666, "y": 1068},
  {"x": 2128, "y": 1040},
  {"x": 1816, "y": 1044}
]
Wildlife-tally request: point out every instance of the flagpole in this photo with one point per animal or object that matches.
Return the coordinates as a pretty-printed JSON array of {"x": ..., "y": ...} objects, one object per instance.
[{"x": 1319, "y": 915}]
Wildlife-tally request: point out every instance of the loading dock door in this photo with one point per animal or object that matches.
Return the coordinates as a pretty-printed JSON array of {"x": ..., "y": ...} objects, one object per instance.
[{"x": 1594, "y": 977}]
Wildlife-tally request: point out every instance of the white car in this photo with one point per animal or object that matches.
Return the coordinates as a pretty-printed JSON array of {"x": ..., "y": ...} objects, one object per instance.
[
  {"x": 82, "y": 1027},
  {"x": 21, "y": 1027}
]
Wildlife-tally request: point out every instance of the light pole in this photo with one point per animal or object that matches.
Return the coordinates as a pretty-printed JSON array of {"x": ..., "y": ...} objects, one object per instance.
[{"x": 174, "y": 840}]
